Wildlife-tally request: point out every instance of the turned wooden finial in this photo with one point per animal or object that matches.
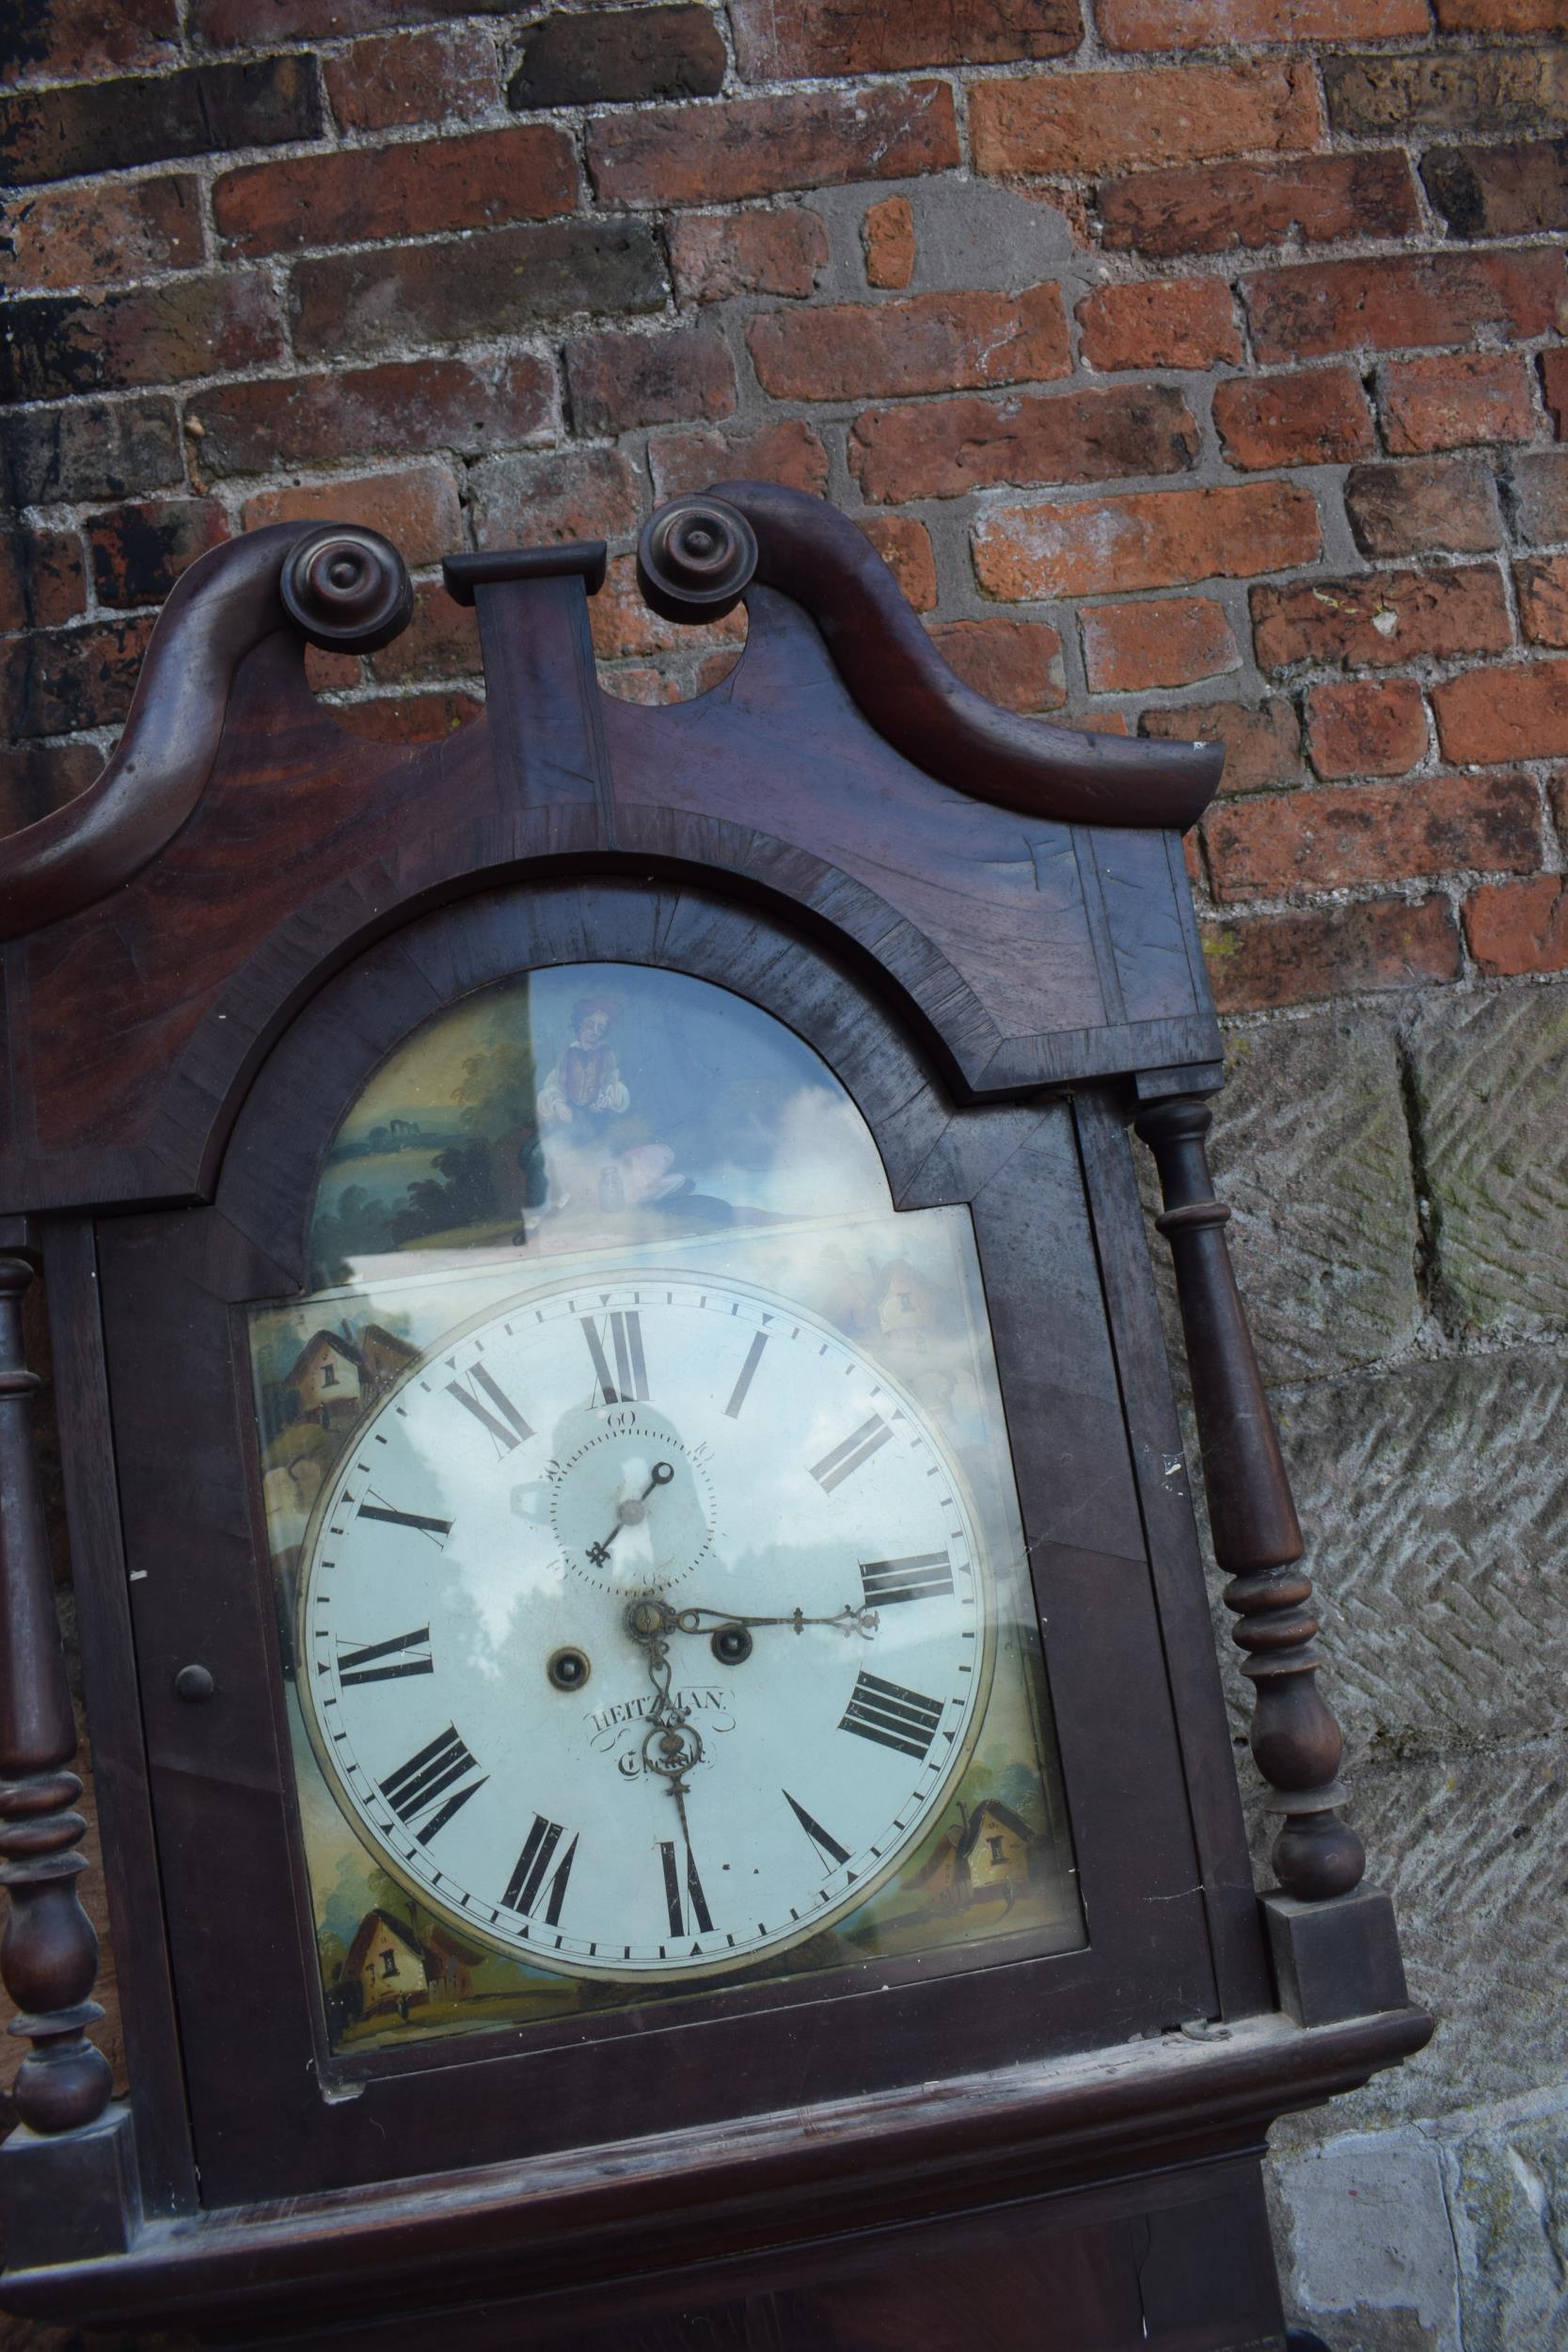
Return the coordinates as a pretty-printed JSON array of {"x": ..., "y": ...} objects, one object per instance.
[
  {"x": 1295, "y": 1741},
  {"x": 49, "y": 1951}
]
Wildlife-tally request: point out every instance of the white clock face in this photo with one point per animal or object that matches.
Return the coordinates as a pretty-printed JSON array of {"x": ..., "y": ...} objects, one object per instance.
[{"x": 645, "y": 1628}]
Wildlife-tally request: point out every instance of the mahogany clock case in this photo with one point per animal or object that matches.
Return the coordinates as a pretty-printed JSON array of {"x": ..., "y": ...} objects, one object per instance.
[{"x": 205, "y": 966}]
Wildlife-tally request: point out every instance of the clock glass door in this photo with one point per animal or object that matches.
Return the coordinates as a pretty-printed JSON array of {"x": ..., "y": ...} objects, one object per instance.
[{"x": 653, "y": 1600}]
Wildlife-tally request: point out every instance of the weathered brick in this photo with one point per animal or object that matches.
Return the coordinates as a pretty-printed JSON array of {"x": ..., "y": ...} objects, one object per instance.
[
  {"x": 1397, "y": 299},
  {"x": 1456, "y": 397},
  {"x": 1159, "y": 323},
  {"x": 396, "y": 78},
  {"x": 1542, "y": 587},
  {"x": 1380, "y": 620},
  {"x": 1214, "y": 23},
  {"x": 1331, "y": 840},
  {"x": 622, "y": 625},
  {"x": 905, "y": 546},
  {"x": 425, "y": 403},
  {"x": 1517, "y": 713},
  {"x": 924, "y": 343},
  {"x": 1223, "y": 207},
  {"x": 1263, "y": 745},
  {"x": 1015, "y": 663},
  {"x": 1508, "y": 191},
  {"x": 1171, "y": 641},
  {"x": 414, "y": 188},
  {"x": 1317, "y": 418},
  {"x": 1446, "y": 502},
  {"x": 638, "y": 683},
  {"x": 581, "y": 58},
  {"x": 42, "y": 579},
  {"x": 408, "y": 718},
  {"x": 1366, "y": 727},
  {"x": 91, "y": 449},
  {"x": 231, "y": 24},
  {"x": 60, "y": 683},
  {"x": 109, "y": 126},
  {"x": 887, "y": 235},
  {"x": 1502, "y": 16},
  {"x": 1099, "y": 123},
  {"x": 417, "y": 508},
  {"x": 1488, "y": 1081},
  {"x": 1538, "y": 489},
  {"x": 779, "y": 40},
  {"x": 1518, "y": 927},
  {"x": 193, "y": 325},
  {"x": 617, "y": 380},
  {"x": 579, "y": 494},
  {"x": 1426, "y": 94},
  {"x": 1554, "y": 387},
  {"x": 36, "y": 778},
  {"x": 789, "y": 451},
  {"x": 1152, "y": 539},
  {"x": 945, "y": 448},
  {"x": 88, "y": 38},
  {"x": 507, "y": 282},
  {"x": 759, "y": 146},
  {"x": 440, "y": 642},
  {"x": 1333, "y": 952},
  {"x": 139, "y": 550},
  {"x": 715, "y": 255},
  {"x": 97, "y": 231}
]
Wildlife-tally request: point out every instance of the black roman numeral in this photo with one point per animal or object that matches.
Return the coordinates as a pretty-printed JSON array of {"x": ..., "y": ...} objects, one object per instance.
[
  {"x": 387, "y": 1661},
  {"x": 375, "y": 1508},
  {"x": 827, "y": 1847},
  {"x": 894, "y": 1717},
  {"x": 918, "y": 1577},
  {"x": 539, "y": 1848},
  {"x": 623, "y": 1335},
  {"x": 702, "y": 1921},
  {"x": 418, "y": 1785},
  {"x": 499, "y": 1416},
  {"x": 748, "y": 1374},
  {"x": 834, "y": 1468}
]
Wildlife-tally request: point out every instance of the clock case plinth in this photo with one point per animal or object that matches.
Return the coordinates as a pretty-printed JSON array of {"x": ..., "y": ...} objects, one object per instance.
[{"x": 982, "y": 924}]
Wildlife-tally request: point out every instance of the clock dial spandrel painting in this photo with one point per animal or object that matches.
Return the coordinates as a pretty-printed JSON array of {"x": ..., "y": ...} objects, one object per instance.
[{"x": 650, "y": 1583}]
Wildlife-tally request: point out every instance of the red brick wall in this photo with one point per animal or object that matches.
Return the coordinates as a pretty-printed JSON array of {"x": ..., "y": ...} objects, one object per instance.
[{"x": 1193, "y": 363}]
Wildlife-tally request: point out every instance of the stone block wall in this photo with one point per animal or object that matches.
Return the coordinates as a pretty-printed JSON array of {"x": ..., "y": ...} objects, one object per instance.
[{"x": 1196, "y": 365}]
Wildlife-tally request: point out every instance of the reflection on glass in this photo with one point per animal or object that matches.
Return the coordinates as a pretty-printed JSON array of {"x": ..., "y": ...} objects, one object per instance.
[{"x": 645, "y": 1532}]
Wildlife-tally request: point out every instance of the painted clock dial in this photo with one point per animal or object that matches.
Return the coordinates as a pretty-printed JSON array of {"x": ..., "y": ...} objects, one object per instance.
[{"x": 644, "y": 1628}]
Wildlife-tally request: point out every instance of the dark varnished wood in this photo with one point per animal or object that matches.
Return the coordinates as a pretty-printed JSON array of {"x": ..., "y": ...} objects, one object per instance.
[
  {"x": 1296, "y": 1742},
  {"x": 614, "y": 2210},
  {"x": 49, "y": 1952},
  {"x": 1032, "y": 949},
  {"x": 217, "y": 1774},
  {"x": 970, "y": 917},
  {"x": 910, "y": 696}
]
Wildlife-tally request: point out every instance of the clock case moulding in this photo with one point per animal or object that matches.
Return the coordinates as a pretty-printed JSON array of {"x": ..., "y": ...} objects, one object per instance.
[{"x": 982, "y": 923}]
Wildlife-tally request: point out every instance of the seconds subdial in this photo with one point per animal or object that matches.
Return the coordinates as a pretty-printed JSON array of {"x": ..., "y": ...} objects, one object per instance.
[{"x": 633, "y": 1506}]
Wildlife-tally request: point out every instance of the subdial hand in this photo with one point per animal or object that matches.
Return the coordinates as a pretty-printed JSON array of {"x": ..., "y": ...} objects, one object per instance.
[{"x": 631, "y": 1512}]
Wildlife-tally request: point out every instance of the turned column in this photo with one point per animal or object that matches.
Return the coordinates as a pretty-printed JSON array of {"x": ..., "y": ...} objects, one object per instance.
[
  {"x": 1295, "y": 1741},
  {"x": 49, "y": 1951}
]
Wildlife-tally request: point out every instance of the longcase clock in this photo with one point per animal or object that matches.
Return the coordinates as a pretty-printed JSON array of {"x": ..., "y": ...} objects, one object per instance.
[{"x": 662, "y": 1767}]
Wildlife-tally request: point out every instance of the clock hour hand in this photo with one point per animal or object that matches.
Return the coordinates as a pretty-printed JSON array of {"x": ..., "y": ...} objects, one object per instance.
[{"x": 846, "y": 1620}]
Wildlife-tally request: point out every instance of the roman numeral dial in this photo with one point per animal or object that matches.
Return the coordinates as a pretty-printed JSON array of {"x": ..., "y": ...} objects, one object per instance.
[{"x": 645, "y": 1628}]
